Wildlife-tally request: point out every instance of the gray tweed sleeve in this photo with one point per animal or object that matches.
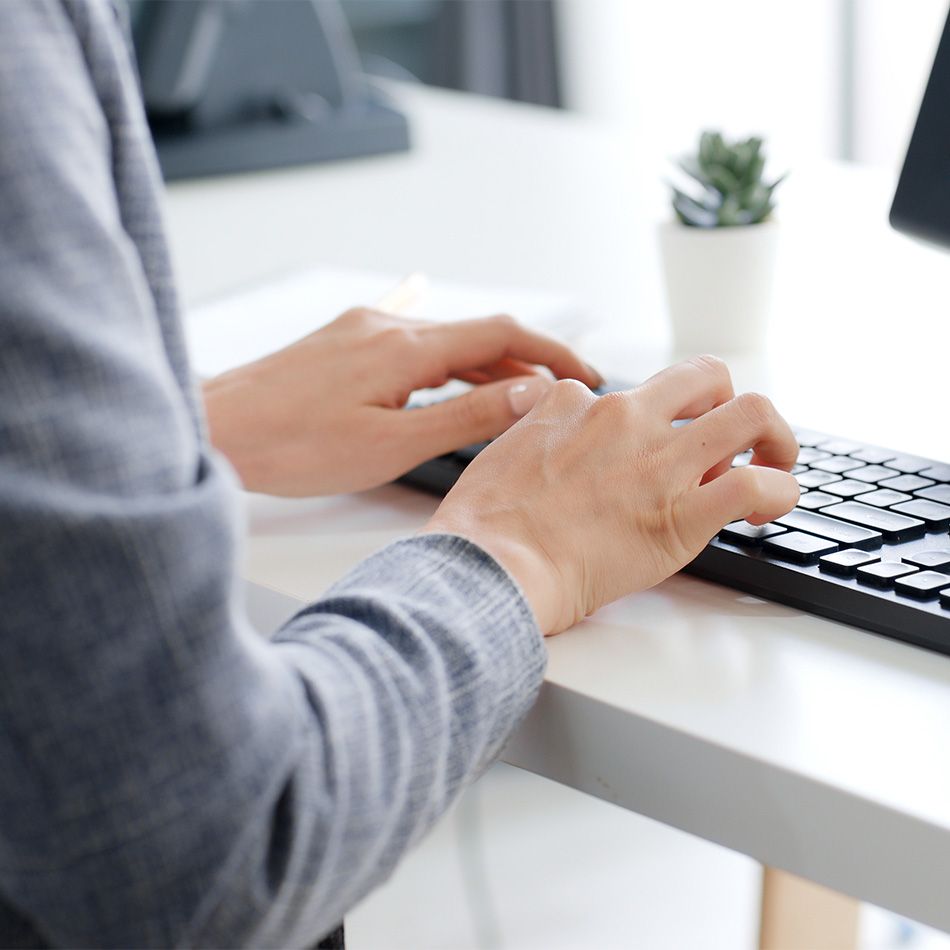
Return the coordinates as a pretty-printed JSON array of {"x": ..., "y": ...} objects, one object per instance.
[{"x": 167, "y": 777}]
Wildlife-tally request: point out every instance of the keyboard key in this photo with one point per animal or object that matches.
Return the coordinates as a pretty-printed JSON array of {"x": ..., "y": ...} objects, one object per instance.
[
  {"x": 894, "y": 527},
  {"x": 874, "y": 456},
  {"x": 848, "y": 535},
  {"x": 808, "y": 455},
  {"x": 905, "y": 483},
  {"x": 908, "y": 463},
  {"x": 816, "y": 479},
  {"x": 839, "y": 447},
  {"x": 836, "y": 464},
  {"x": 798, "y": 546},
  {"x": 872, "y": 473},
  {"x": 884, "y": 498},
  {"x": 798, "y": 469},
  {"x": 743, "y": 458},
  {"x": 845, "y": 563},
  {"x": 741, "y": 532},
  {"x": 930, "y": 560},
  {"x": 810, "y": 439},
  {"x": 939, "y": 493},
  {"x": 924, "y": 585},
  {"x": 883, "y": 573},
  {"x": 945, "y": 599},
  {"x": 939, "y": 473},
  {"x": 819, "y": 499},
  {"x": 936, "y": 516},
  {"x": 848, "y": 488}
]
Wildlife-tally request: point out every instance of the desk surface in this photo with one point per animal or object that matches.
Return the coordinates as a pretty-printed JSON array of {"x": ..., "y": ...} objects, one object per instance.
[{"x": 807, "y": 744}]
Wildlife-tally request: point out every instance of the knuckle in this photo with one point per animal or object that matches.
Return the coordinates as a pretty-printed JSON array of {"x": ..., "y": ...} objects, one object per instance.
[
  {"x": 744, "y": 484},
  {"x": 740, "y": 492},
  {"x": 752, "y": 489},
  {"x": 712, "y": 366},
  {"x": 570, "y": 392},
  {"x": 356, "y": 315},
  {"x": 505, "y": 320},
  {"x": 756, "y": 408},
  {"x": 610, "y": 403},
  {"x": 395, "y": 339}
]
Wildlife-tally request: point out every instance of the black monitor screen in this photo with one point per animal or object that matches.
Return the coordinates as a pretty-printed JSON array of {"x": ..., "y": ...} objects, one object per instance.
[{"x": 922, "y": 202}]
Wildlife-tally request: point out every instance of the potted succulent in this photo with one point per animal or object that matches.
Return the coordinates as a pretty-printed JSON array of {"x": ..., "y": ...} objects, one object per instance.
[{"x": 719, "y": 251}]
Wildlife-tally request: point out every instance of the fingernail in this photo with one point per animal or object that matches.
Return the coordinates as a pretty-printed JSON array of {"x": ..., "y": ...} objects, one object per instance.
[{"x": 522, "y": 396}]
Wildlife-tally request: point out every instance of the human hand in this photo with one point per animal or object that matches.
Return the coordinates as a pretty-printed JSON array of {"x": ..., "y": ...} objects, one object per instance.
[
  {"x": 326, "y": 414},
  {"x": 587, "y": 499}
]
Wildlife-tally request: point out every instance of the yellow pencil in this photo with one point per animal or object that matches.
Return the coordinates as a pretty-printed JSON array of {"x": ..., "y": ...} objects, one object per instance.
[{"x": 410, "y": 290}]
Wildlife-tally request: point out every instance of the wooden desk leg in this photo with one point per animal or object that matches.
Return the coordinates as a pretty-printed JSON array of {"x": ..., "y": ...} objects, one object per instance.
[{"x": 800, "y": 915}]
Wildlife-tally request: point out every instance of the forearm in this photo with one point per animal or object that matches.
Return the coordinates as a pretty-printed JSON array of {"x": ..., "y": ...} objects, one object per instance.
[
  {"x": 251, "y": 793},
  {"x": 416, "y": 666},
  {"x": 169, "y": 777}
]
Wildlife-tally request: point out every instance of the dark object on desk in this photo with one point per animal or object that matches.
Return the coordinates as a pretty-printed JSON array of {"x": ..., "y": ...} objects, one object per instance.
[
  {"x": 238, "y": 85},
  {"x": 504, "y": 48},
  {"x": 882, "y": 567},
  {"x": 335, "y": 940},
  {"x": 869, "y": 543},
  {"x": 921, "y": 204}
]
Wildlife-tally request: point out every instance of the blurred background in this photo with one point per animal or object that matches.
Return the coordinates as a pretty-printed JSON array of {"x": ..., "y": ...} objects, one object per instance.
[
  {"x": 619, "y": 88},
  {"x": 819, "y": 78}
]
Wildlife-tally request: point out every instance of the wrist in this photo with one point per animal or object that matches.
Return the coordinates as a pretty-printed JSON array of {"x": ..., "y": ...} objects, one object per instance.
[
  {"x": 532, "y": 571},
  {"x": 235, "y": 428}
]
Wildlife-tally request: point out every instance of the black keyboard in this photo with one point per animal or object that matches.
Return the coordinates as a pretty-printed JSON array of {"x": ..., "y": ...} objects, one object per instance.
[{"x": 868, "y": 544}]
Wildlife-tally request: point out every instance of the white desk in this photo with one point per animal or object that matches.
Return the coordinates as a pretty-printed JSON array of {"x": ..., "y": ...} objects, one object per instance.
[{"x": 809, "y": 745}]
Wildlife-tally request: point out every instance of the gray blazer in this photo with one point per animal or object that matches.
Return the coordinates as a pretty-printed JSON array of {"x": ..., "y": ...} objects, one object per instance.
[{"x": 166, "y": 777}]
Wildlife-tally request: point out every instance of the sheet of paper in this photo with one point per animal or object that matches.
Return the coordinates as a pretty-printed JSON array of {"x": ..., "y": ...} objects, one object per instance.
[{"x": 247, "y": 325}]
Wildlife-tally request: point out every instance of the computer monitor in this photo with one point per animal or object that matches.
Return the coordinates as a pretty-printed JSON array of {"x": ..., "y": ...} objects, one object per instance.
[
  {"x": 921, "y": 204},
  {"x": 237, "y": 85}
]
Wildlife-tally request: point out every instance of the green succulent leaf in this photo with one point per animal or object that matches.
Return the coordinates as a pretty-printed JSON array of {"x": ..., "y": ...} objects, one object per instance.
[
  {"x": 730, "y": 212},
  {"x": 694, "y": 169},
  {"x": 724, "y": 180},
  {"x": 755, "y": 169},
  {"x": 778, "y": 181},
  {"x": 730, "y": 175},
  {"x": 691, "y": 212}
]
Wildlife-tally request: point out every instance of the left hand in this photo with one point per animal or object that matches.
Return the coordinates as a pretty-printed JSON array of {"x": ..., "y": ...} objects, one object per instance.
[{"x": 326, "y": 415}]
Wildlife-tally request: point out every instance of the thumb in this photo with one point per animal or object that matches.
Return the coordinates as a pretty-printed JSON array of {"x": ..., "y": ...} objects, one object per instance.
[
  {"x": 753, "y": 492},
  {"x": 481, "y": 414}
]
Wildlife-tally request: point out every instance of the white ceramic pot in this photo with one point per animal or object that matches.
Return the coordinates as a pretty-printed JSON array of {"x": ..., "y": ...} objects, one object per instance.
[{"x": 718, "y": 285}]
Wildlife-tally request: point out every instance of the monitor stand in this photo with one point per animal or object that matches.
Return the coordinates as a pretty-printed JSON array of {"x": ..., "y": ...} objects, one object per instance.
[
  {"x": 370, "y": 128},
  {"x": 233, "y": 87}
]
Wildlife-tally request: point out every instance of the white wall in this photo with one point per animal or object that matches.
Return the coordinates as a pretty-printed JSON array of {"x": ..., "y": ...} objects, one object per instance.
[
  {"x": 665, "y": 69},
  {"x": 894, "y": 46}
]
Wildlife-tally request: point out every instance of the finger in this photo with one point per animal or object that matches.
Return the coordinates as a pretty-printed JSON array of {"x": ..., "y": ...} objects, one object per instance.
[
  {"x": 720, "y": 468},
  {"x": 476, "y": 377},
  {"x": 509, "y": 368},
  {"x": 463, "y": 345},
  {"x": 748, "y": 421},
  {"x": 689, "y": 389},
  {"x": 752, "y": 493},
  {"x": 503, "y": 369},
  {"x": 479, "y": 415}
]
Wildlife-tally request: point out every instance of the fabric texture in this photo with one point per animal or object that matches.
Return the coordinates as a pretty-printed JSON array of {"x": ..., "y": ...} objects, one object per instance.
[{"x": 169, "y": 778}]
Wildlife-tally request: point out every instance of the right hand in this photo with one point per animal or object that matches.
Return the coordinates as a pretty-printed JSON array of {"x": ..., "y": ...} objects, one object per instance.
[{"x": 587, "y": 499}]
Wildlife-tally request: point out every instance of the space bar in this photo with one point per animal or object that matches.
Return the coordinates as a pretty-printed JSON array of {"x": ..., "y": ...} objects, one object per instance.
[{"x": 825, "y": 527}]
